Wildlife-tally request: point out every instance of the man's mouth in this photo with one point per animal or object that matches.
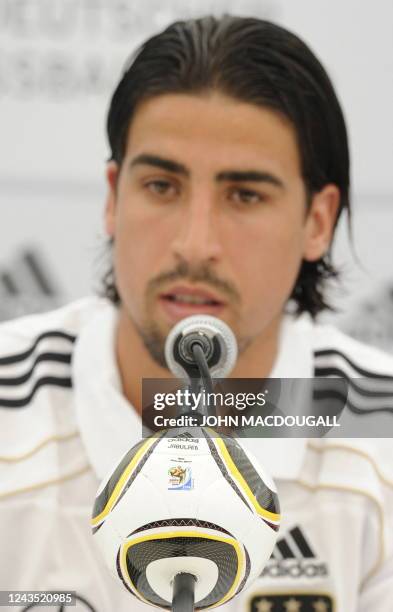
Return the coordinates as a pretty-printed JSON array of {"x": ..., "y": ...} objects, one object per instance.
[
  {"x": 190, "y": 299},
  {"x": 182, "y": 301}
]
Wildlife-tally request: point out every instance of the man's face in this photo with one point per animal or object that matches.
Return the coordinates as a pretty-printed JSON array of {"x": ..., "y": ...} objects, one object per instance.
[{"x": 208, "y": 215}]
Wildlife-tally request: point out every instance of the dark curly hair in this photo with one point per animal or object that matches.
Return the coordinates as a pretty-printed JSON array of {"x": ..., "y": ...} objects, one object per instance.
[{"x": 261, "y": 63}]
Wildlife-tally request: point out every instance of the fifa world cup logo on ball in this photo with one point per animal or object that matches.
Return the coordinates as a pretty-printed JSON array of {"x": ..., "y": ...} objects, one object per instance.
[{"x": 188, "y": 526}]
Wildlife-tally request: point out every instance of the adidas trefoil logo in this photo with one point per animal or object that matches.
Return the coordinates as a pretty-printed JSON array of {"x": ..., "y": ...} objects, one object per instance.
[{"x": 293, "y": 557}]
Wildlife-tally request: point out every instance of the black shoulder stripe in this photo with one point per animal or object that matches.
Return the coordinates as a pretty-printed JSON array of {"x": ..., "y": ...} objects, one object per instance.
[
  {"x": 19, "y": 380},
  {"x": 21, "y": 356},
  {"x": 337, "y": 395},
  {"x": 362, "y": 371},
  {"x": 56, "y": 381},
  {"x": 371, "y": 392}
]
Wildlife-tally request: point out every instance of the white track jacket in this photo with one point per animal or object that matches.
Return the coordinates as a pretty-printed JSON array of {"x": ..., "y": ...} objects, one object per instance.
[{"x": 64, "y": 422}]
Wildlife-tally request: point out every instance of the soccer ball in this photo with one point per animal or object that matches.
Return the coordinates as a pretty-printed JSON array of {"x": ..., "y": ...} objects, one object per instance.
[{"x": 186, "y": 502}]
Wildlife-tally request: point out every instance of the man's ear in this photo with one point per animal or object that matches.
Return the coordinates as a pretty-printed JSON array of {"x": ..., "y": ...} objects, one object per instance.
[
  {"x": 320, "y": 222},
  {"x": 112, "y": 174}
]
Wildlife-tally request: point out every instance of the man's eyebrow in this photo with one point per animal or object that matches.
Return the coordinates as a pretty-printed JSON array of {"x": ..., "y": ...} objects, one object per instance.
[
  {"x": 147, "y": 159},
  {"x": 169, "y": 165},
  {"x": 250, "y": 175}
]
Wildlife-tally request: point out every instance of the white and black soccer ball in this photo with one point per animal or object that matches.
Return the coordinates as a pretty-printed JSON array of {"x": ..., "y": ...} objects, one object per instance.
[{"x": 191, "y": 502}]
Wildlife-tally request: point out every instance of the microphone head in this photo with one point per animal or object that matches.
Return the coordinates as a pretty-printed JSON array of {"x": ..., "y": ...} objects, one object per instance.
[{"x": 213, "y": 335}]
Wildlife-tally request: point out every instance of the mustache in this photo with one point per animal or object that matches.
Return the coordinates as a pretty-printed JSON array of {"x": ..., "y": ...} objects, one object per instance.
[{"x": 196, "y": 274}]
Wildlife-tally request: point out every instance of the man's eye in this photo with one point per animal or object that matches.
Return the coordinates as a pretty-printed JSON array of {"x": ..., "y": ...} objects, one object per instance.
[
  {"x": 246, "y": 196},
  {"x": 161, "y": 187}
]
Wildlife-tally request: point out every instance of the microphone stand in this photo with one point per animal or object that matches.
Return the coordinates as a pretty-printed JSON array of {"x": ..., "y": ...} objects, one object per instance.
[
  {"x": 183, "y": 598},
  {"x": 183, "y": 593}
]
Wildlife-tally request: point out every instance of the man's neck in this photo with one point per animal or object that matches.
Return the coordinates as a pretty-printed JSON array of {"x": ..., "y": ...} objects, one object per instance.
[{"x": 135, "y": 362}]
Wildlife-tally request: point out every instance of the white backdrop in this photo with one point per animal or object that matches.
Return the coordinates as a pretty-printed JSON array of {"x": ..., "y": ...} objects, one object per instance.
[{"x": 59, "y": 61}]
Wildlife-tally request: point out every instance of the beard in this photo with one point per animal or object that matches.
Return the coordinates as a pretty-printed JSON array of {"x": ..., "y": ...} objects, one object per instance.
[
  {"x": 154, "y": 341},
  {"x": 152, "y": 334}
]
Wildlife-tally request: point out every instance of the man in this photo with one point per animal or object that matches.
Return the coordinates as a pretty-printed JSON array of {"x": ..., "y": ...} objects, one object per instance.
[{"x": 228, "y": 172}]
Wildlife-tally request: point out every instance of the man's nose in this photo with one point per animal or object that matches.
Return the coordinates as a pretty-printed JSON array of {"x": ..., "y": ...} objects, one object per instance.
[{"x": 197, "y": 238}]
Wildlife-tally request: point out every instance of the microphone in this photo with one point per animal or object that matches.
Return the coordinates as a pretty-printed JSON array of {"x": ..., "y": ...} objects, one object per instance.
[
  {"x": 216, "y": 340},
  {"x": 188, "y": 518}
]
